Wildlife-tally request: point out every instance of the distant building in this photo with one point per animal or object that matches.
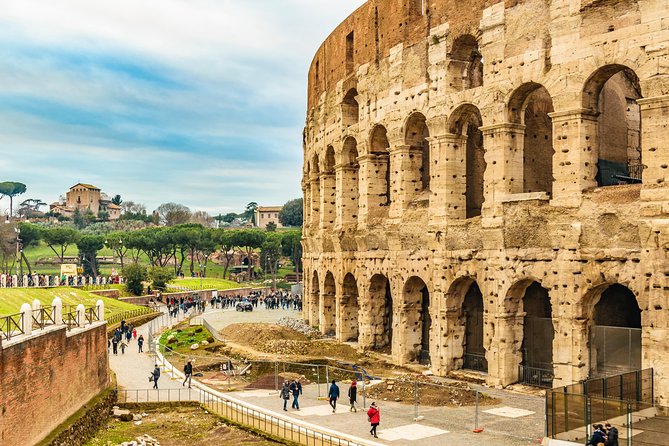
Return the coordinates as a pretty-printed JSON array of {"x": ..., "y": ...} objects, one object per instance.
[
  {"x": 266, "y": 215},
  {"x": 85, "y": 197}
]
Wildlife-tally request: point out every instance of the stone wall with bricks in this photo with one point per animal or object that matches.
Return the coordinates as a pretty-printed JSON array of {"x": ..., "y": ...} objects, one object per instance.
[
  {"x": 459, "y": 154},
  {"x": 46, "y": 377}
]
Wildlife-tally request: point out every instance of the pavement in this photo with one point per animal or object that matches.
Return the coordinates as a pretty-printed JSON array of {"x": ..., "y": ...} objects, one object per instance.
[{"x": 517, "y": 420}]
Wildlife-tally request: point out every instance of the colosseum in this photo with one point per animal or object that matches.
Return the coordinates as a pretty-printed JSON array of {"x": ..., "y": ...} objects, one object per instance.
[{"x": 486, "y": 186}]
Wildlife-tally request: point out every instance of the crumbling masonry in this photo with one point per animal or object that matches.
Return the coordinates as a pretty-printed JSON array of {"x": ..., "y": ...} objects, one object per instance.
[{"x": 486, "y": 186}]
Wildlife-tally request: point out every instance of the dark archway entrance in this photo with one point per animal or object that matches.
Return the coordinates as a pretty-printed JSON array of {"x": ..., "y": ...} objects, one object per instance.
[
  {"x": 417, "y": 321},
  {"x": 380, "y": 295},
  {"x": 474, "y": 351},
  {"x": 537, "y": 347},
  {"x": 349, "y": 307}
]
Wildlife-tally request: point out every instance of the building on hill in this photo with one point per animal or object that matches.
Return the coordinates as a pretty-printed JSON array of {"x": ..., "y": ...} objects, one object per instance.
[
  {"x": 85, "y": 197},
  {"x": 266, "y": 215}
]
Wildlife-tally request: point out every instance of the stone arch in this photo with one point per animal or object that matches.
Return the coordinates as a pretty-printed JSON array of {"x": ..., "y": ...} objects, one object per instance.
[
  {"x": 611, "y": 93},
  {"x": 349, "y": 307},
  {"x": 328, "y": 305},
  {"x": 315, "y": 186},
  {"x": 465, "y": 68},
  {"x": 379, "y": 150},
  {"x": 415, "y": 321},
  {"x": 530, "y": 106},
  {"x": 416, "y": 134},
  {"x": 381, "y": 313},
  {"x": 314, "y": 300},
  {"x": 530, "y": 333},
  {"x": 348, "y": 188},
  {"x": 350, "y": 111},
  {"x": 465, "y": 121},
  {"x": 465, "y": 325},
  {"x": 615, "y": 330}
]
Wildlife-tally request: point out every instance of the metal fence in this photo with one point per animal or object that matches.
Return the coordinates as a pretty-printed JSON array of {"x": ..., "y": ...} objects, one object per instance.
[
  {"x": 116, "y": 318},
  {"x": 10, "y": 326},
  {"x": 614, "y": 350}
]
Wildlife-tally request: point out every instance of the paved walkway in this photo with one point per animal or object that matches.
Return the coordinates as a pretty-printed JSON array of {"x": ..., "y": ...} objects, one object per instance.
[{"x": 518, "y": 420}]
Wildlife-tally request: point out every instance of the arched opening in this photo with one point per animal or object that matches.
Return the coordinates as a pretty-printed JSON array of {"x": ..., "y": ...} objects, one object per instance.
[
  {"x": 381, "y": 313},
  {"x": 537, "y": 346},
  {"x": 466, "y": 121},
  {"x": 415, "y": 136},
  {"x": 328, "y": 188},
  {"x": 380, "y": 150},
  {"x": 417, "y": 323},
  {"x": 349, "y": 182},
  {"x": 466, "y": 65},
  {"x": 474, "y": 351},
  {"x": 349, "y": 310},
  {"x": 314, "y": 300},
  {"x": 612, "y": 92},
  {"x": 329, "y": 305},
  {"x": 530, "y": 106},
  {"x": 315, "y": 191},
  {"x": 615, "y": 336},
  {"x": 350, "y": 112}
]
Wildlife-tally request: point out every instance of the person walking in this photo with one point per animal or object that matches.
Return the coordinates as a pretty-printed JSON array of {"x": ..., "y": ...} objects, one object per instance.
[
  {"x": 296, "y": 389},
  {"x": 140, "y": 343},
  {"x": 123, "y": 346},
  {"x": 598, "y": 438},
  {"x": 374, "y": 415},
  {"x": 611, "y": 435},
  {"x": 155, "y": 375},
  {"x": 285, "y": 394},
  {"x": 333, "y": 395},
  {"x": 353, "y": 395},
  {"x": 115, "y": 346},
  {"x": 188, "y": 371}
]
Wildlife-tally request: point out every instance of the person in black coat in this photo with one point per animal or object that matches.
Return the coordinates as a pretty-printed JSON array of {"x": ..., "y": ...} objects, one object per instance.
[
  {"x": 188, "y": 372},
  {"x": 598, "y": 436},
  {"x": 611, "y": 434},
  {"x": 353, "y": 395}
]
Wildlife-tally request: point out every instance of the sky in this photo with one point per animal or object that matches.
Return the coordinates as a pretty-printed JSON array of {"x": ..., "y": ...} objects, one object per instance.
[{"x": 199, "y": 102}]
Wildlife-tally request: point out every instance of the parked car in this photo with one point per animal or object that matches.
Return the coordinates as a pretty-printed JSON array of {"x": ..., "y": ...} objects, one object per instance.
[{"x": 244, "y": 305}]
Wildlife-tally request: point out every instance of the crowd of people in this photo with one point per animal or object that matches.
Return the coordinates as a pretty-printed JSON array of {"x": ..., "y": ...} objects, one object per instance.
[
  {"x": 606, "y": 435},
  {"x": 122, "y": 337},
  {"x": 271, "y": 301}
]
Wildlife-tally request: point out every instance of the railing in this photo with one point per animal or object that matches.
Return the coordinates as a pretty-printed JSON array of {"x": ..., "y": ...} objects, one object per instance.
[
  {"x": 275, "y": 425},
  {"x": 11, "y": 325},
  {"x": 116, "y": 318},
  {"x": 476, "y": 362},
  {"x": 43, "y": 317},
  {"x": 535, "y": 376},
  {"x": 71, "y": 320}
]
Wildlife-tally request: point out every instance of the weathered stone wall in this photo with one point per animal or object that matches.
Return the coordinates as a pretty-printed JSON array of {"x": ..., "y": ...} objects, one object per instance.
[
  {"x": 526, "y": 105},
  {"x": 48, "y": 376}
]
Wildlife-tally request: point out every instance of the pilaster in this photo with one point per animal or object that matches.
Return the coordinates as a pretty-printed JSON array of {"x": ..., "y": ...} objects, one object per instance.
[{"x": 405, "y": 167}]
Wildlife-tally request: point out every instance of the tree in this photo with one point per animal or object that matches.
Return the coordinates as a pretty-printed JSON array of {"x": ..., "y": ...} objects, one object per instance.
[
  {"x": 226, "y": 239},
  {"x": 291, "y": 246},
  {"x": 249, "y": 240},
  {"x": 30, "y": 207},
  {"x": 250, "y": 212},
  {"x": 271, "y": 253},
  {"x": 118, "y": 243},
  {"x": 117, "y": 200},
  {"x": 30, "y": 234},
  {"x": 172, "y": 214},
  {"x": 160, "y": 277},
  {"x": 271, "y": 227},
  {"x": 7, "y": 248},
  {"x": 292, "y": 213},
  {"x": 60, "y": 237},
  {"x": 78, "y": 219},
  {"x": 11, "y": 189},
  {"x": 103, "y": 216},
  {"x": 229, "y": 217},
  {"x": 135, "y": 275},
  {"x": 202, "y": 218},
  {"x": 88, "y": 246}
]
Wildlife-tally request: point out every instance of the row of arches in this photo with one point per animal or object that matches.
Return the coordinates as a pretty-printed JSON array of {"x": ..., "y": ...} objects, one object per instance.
[
  {"x": 608, "y": 98},
  {"x": 408, "y": 326}
]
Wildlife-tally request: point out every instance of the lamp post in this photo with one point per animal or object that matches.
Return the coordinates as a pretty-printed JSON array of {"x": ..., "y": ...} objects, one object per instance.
[{"x": 200, "y": 266}]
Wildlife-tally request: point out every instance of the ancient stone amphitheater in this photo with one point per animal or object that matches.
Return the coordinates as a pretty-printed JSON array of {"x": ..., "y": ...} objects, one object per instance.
[{"x": 486, "y": 186}]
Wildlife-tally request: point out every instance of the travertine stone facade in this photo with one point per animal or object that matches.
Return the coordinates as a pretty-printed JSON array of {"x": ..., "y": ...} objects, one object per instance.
[{"x": 471, "y": 165}]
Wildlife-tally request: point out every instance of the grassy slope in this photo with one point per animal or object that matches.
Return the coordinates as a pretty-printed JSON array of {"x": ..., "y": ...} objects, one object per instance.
[
  {"x": 208, "y": 283},
  {"x": 11, "y": 299}
]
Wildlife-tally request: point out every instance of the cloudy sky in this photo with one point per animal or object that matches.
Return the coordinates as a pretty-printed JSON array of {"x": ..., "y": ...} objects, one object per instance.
[{"x": 201, "y": 102}]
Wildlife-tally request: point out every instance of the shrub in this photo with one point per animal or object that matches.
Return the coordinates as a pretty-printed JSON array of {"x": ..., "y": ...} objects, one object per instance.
[
  {"x": 135, "y": 275},
  {"x": 210, "y": 339},
  {"x": 160, "y": 276},
  {"x": 198, "y": 330}
]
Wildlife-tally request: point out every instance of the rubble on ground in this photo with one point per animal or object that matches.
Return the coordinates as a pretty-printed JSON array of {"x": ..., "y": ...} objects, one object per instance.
[{"x": 299, "y": 325}]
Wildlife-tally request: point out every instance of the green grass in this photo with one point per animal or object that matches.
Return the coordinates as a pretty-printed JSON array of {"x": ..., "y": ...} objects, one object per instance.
[
  {"x": 185, "y": 337},
  {"x": 208, "y": 283},
  {"x": 11, "y": 299}
]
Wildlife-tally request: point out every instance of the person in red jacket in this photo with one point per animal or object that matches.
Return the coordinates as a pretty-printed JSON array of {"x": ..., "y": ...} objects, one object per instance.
[{"x": 374, "y": 416}]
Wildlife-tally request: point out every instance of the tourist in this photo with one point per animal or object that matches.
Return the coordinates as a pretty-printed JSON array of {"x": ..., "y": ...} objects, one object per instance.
[
  {"x": 134, "y": 333},
  {"x": 155, "y": 376},
  {"x": 123, "y": 346},
  {"x": 285, "y": 394},
  {"x": 188, "y": 371},
  {"x": 333, "y": 395},
  {"x": 374, "y": 415},
  {"x": 296, "y": 389},
  {"x": 611, "y": 435},
  {"x": 140, "y": 342},
  {"x": 598, "y": 437},
  {"x": 115, "y": 346},
  {"x": 353, "y": 395}
]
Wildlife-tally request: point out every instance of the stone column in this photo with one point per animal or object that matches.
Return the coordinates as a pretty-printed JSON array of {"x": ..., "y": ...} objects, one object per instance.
[
  {"x": 328, "y": 189},
  {"x": 405, "y": 177},
  {"x": 575, "y": 157},
  {"x": 504, "y": 163},
  {"x": 654, "y": 154},
  {"x": 373, "y": 172},
  {"x": 347, "y": 195},
  {"x": 315, "y": 194},
  {"x": 26, "y": 319},
  {"x": 57, "y": 305},
  {"x": 100, "y": 308},
  {"x": 503, "y": 368},
  {"x": 306, "y": 194},
  {"x": 449, "y": 178}
]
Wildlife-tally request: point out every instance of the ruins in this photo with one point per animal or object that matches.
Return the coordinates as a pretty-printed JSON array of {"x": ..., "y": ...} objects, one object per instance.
[{"x": 486, "y": 186}]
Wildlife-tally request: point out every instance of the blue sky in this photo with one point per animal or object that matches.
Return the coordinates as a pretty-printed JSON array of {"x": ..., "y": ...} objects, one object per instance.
[{"x": 201, "y": 102}]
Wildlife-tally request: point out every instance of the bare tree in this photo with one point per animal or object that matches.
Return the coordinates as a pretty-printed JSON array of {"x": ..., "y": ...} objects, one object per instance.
[
  {"x": 202, "y": 218},
  {"x": 172, "y": 214}
]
